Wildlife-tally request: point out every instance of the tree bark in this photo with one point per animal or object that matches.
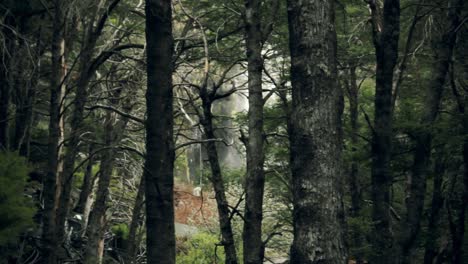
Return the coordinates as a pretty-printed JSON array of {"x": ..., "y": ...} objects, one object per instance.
[
  {"x": 386, "y": 29},
  {"x": 464, "y": 60},
  {"x": 316, "y": 135},
  {"x": 457, "y": 217},
  {"x": 443, "y": 49},
  {"x": 456, "y": 210},
  {"x": 97, "y": 218},
  {"x": 88, "y": 183},
  {"x": 73, "y": 139},
  {"x": 458, "y": 249},
  {"x": 26, "y": 78},
  {"x": 114, "y": 132},
  {"x": 354, "y": 183},
  {"x": 462, "y": 214},
  {"x": 159, "y": 163},
  {"x": 5, "y": 86},
  {"x": 67, "y": 176},
  {"x": 54, "y": 150},
  {"x": 217, "y": 181},
  {"x": 132, "y": 243},
  {"x": 86, "y": 198},
  {"x": 431, "y": 248},
  {"x": 355, "y": 188},
  {"x": 76, "y": 125},
  {"x": 254, "y": 249},
  {"x": 24, "y": 118}
]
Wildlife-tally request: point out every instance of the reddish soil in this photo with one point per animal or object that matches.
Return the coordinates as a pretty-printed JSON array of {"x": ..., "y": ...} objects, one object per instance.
[{"x": 191, "y": 209}]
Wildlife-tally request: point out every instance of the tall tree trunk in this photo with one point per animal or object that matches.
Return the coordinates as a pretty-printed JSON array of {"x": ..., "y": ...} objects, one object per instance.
[
  {"x": 54, "y": 150},
  {"x": 86, "y": 71},
  {"x": 255, "y": 181},
  {"x": 114, "y": 130},
  {"x": 443, "y": 49},
  {"x": 354, "y": 184},
  {"x": 355, "y": 188},
  {"x": 73, "y": 140},
  {"x": 23, "y": 80},
  {"x": 386, "y": 29},
  {"x": 24, "y": 119},
  {"x": 86, "y": 198},
  {"x": 97, "y": 218},
  {"x": 458, "y": 258},
  {"x": 217, "y": 181},
  {"x": 5, "y": 86},
  {"x": 456, "y": 214},
  {"x": 132, "y": 244},
  {"x": 437, "y": 203},
  {"x": 159, "y": 164},
  {"x": 457, "y": 217},
  {"x": 26, "y": 93},
  {"x": 464, "y": 59},
  {"x": 316, "y": 134},
  {"x": 88, "y": 183}
]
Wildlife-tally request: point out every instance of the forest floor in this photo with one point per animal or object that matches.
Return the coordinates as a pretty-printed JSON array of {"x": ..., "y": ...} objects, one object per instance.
[{"x": 193, "y": 210}]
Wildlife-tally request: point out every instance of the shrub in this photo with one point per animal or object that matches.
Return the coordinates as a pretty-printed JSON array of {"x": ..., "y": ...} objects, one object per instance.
[
  {"x": 16, "y": 210},
  {"x": 120, "y": 230},
  {"x": 200, "y": 249}
]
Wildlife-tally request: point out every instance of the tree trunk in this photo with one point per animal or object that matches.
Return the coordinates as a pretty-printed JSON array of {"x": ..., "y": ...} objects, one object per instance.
[
  {"x": 217, "y": 181},
  {"x": 73, "y": 140},
  {"x": 97, "y": 218},
  {"x": 86, "y": 71},
  {"x": 86, "y": 198},
  {"x": 88, "y": 183},
  {"x": 159, "y": 164},
  {"x": 26, "y": 90},
  {"x": 54, "y": 150},
  {"x": 456, "y": 210},
  {"x": 5, "y": 86},
  {"x": 132, "y": 243},
  {"x": 26, "y": 78},
  {"x": 316, "y": 135},
  {"x": 386, "y": 31},
  {"x": 458, "y": 250},
  {"x": 458, "y": 231},
  {"x": 255, "y": 181},
  {"x": 114, "y": 130},
  {"x": 437, "y": 203},
  {"x": 24, "y": 119},
  {"x": 421, "y": 162},
  {"x": 355, "y": 188},
  {"x": 354, "y": 184}
]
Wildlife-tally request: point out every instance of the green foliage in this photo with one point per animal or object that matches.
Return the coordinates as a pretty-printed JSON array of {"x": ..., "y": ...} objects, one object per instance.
[
  {"x": 201, "y": 248},
  {"x": 16, "y": 210},
  {"x": 79, "y": 176},
  {"x": 120, "y": 230},
  {"x": 233, "y": 176}
]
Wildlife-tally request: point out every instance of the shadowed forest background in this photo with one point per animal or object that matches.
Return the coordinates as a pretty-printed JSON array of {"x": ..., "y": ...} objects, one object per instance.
[{"x": 241, "y": 131}]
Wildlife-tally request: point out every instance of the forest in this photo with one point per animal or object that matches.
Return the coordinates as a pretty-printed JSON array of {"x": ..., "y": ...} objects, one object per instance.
[{"x": 233, "y": 131}]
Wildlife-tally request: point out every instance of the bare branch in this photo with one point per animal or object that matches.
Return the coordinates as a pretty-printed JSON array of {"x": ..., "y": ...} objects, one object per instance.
[
  {"x": 127, "y": 115},
  {"x": 94, "y": 65},
  {"x": 203, "y": 141}
]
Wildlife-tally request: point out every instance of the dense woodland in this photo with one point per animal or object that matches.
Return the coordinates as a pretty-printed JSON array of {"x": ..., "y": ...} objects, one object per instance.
[{"x": 241, "y": 131}]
